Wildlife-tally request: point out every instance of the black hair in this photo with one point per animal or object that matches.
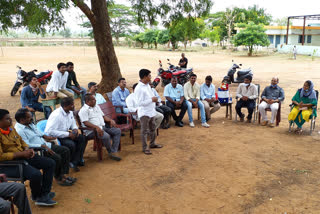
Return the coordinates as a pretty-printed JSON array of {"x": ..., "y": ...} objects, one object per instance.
[
  {"x": 60, "y": 65},
  {"x": 119, "y": 80},
  {"x": 134, "y": 86},
  {"x": 90, "y": 84},
  {"x": 87, "y": 97},
  {"x": 3, "y": 112},
  {"x": 69, "y": 64},
  {"x": 21, "y": 114},
  {"x": 144, "y": 73},
  {"x": 209, "y": 78},
  {"x": 174, "y": 77},
  {"x": 248, "y": 77},
  {"x": 66, "y": 101},
  {"x": 29, "y": 78},
  {"x": 193, "y": 75},
  {"x": 309, "y": 83}
]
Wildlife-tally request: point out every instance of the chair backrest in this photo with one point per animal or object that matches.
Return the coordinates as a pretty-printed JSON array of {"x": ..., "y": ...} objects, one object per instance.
[
  {"x": 258, "y": 88},
  {"x": 109, "y": 110},
  {"x": 41, "y": 125},
  {"x": 109, "y": 95},
  {"x": 76, "y": 116}
]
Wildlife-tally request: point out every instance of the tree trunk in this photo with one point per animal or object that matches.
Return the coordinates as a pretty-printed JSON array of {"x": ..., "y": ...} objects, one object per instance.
[
  {"x": 185, "y": 45},
  {"x": 117, "y": 40},
  {"x": 155, "y": 45},
  {"x": 109, "y": 65},
  {"x": 173, "y": 45},
  {"x": 250, "y": 51}
]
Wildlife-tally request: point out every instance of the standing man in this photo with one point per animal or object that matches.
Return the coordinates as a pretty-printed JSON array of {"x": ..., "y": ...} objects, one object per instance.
[
  {"x": 173, "y": 93},
  {"x": 192, "y": 95},
  {"x": 30, "y": 97},
  {"x": 208, "y": 97},
  {"x": 271, "y": 96},
  {"x": 247, "y": 94},
  {"x": 119, "y": 96},
  {"x": 62, "y": 125},
  {"x": 75, "y": 88},
  {"x": 183, "y": 61},
  {"x": 294, "y": 51},
  {"x": 93, "y": 87},
  {"x": 146, "y": 111},
  {"x": 57, "y": 84}
]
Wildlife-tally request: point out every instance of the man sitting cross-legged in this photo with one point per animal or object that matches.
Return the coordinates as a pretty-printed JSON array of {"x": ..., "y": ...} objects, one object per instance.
[
  {"x": 62, "y": 125},
  {"x": 92, "y": 116},
  {"x": 12, "y": 147},
  {"x": 60, "y": 154}
]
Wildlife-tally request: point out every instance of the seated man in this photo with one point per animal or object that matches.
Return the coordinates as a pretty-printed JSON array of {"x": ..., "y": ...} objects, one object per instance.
[
  {"x": 93, "y": 87},
  {"x": 173, "y": 93},
  {"x": 30, "y": 96},
  {"x": 62, "y": 125},
  {"x": 91, "y": 116},
  {"x": 12, "y": 147},
  {"x": 76, "y": 88},
  {"x": 247, "y": 94},
  {"x": 271, "y": 96},
  {"x": 119, "y": 96},
  {"x": 208, "y": 97},
  {"x": 19, "y": 194},
  {"x": 60, "y": 154},
  {"x": 57, "y": 85},
  {"x": 163, "y": 109},
  {"x": 192, "y": 95}
]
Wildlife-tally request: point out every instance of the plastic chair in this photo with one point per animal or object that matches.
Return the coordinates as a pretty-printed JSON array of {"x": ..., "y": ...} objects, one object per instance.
[{"x": 41, "y": 126}]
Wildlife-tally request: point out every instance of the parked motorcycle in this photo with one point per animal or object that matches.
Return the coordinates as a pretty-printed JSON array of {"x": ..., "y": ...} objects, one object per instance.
[
  {"x": 241, "y": 74},
  {"x": 23, "y": 77},
  {"x": 182, "y": 74}
]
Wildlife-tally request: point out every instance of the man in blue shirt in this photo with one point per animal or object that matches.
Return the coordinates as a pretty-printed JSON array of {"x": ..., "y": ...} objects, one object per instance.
[
  {"x": 30, "y": 96},
  {"x": 93, "y": 87},
  {"x": 119, "y": 96},
  {"x": 34, "y": 138},
  {"x": 208, "y": 97},
  {"x": 174, "y": 95}
]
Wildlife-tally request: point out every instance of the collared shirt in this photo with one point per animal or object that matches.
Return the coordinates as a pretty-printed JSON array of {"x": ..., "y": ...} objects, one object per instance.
[
  {"x": 28, "y": 98},
  {"x": 144, "y": 96},
  {"x": 191, "y": 91},
  {"x": 93, "y": 115},
  {"x": 155, "y": 93},
  {"x": 251, "y": 92},
  {"x": 10, "y": 144},
  {"x": 207, "y": 92},
  {"x": 72, "y": 78},
  {"x": 58, "y": 81},
  {"x": 273, "y": 93},
  {"x": 59, "y": 123},
  {"x": 100, "y": 99},
  {"x": 31, "y": 135},
  {"x": 119, "y": 96},
  {"x": 132, "y": 105},
  {"x": 174, "y": 93}
]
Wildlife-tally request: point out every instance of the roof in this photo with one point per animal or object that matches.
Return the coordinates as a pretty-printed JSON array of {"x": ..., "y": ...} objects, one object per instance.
[{"x": 291, "y": 27}]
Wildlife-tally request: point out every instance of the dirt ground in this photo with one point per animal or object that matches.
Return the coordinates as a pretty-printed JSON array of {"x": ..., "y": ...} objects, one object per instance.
[{"x": 229, "y": 168}]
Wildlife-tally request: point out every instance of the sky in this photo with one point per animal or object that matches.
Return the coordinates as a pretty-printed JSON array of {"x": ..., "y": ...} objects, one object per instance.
[{"x": 277, "y": 8}]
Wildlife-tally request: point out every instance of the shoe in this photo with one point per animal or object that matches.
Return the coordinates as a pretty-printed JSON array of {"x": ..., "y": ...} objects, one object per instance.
[
  {"x": 264, "y": 123},
  {"x": 207, "y": 119},
  {"x": 191, "y": 125},
  {"x": 81, "y": 163},
  {"x": 50, "y": 195},
  {"x": 271, "y": 125},
  {"x": 248, "y": 121},
  {"x": 75, "y": 168},
  {"x": 45, "y": 201},
  {"x": 71, "y": 165},
  {"x": 114, "y": 157},
  {"x": 206, "y": 125},
  {"x": 242, "y": 118},
  {"x": 123, "y": 134},
  {"x": 178, "y": 123},
  {"x": 156, "y": 146}
]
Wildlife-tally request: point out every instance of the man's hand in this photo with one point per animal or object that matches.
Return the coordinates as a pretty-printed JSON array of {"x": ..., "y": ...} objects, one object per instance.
[
  {"x": 154, "y": 99},
  {"x": 244, "y": 98},
  {"x": 72, "y": 135},
  {"x": 208, "y": 100},
  {"x": 177, "y": 103},
  {"x": 100, "y": 131},
  {"x": 29, "y": 153},
  {"x": 195, "y": 104},
  {"x": 50, "y": 151},
  {"x": 38, "y": 84},
  {"x": 113, "y": 123},
  {"x": 75, "y": 132},
  {"x": 49, "y": 138},
  {"x": 76, "y": 91},
  {"x": 30, "y": 109}
]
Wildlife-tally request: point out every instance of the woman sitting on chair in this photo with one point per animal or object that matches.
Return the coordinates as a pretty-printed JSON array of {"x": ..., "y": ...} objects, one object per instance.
[{"x": 303, "y": 101}]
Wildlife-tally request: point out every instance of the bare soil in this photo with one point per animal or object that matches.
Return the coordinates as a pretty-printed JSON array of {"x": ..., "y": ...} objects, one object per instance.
[{"x": 228, "y": 168}]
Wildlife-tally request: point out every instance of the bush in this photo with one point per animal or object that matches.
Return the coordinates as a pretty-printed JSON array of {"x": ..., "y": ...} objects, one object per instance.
[
  {"x": 20, "y": 44},
  {"x": 224, "y": 47}
]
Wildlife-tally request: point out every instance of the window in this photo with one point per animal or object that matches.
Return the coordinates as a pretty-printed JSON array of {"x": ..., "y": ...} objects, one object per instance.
[
  {"x": 270, "y": 37},
  {"x": 285, "y": 39},
  {"x": 300, "y": 39},
  {"x": 309, "y": 39}
]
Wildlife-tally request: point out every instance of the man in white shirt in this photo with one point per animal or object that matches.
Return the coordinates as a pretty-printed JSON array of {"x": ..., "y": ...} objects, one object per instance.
[
  {"x": 146, "y": 111},
  {"x": 208, "y": 97},
  {"x": 57, "y": 87},
  {"x": 247, "y": 94},
  {"x": 164, "y": 110},
  {"x": 62, "y": 125},
  {"x": 92, "y": 116}
]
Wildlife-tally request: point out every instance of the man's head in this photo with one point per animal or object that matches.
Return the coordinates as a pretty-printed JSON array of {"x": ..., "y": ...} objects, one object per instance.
[
  {"x": 33, "y": 81},
  {"x": 67, "y": 104},
  {"x": 5, "y": 119},
  {"x": 274, "y": 81},
  {"x": 247, "y": 79},
  {"x": 23, "y": 116},
  {"x": 208, "y": 80},
  {"x": 134, "y": 86},
  {"x": 174, "y": 81},
  {"x": 93, "y": 87},
  {"x": 182, "y": 55},
  {"x": 122, "y": 83},
  {"x": 90, "y": 100},
  {"x": 62, "y": 67},
  {"x": 145, "y": 75},
  {"x": 193, "y": 78},
  {"x": 70, "y": 66}
]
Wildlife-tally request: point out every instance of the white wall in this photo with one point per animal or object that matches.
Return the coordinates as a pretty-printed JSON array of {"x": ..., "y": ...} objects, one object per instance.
[{"x": 304, "y": 50}]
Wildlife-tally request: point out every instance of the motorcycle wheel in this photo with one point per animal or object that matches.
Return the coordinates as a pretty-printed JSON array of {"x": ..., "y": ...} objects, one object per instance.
[{"x": 15, "y": 88}]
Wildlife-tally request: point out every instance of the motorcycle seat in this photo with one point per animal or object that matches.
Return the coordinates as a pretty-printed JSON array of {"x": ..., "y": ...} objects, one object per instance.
[{"x": 244, "y": 71}]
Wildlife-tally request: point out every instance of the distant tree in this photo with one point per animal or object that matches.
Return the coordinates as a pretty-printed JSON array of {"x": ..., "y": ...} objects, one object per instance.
[
  {"x": 282, "y": 22},
  {"x": 251, "y": 35},
  {"x": 213, "y": 35},
  {"x": 139, "y": 38},
  {"x": 66, "y": 33},
  {"x": 163, "y": 37},
  {"x": 150, "y": 37}
]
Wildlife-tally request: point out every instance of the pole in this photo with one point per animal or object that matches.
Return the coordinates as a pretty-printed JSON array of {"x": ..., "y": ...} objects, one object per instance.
[
  {"x": 287, "y": 30},
  {"x": 304, "y": 28}
]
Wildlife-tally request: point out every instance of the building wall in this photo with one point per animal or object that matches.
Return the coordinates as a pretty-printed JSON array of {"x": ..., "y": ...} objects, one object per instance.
[{"x": 304, "y": 50}]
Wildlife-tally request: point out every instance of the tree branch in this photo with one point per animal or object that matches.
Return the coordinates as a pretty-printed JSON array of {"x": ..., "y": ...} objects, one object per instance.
[{"x": 85, "y": 9}]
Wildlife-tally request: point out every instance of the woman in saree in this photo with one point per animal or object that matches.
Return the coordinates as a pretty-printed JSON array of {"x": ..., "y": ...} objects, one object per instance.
[{"x": 303, "y": 101}]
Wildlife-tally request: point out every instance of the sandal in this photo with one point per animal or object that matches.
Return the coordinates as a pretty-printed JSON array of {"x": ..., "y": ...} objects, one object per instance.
[
  {"x": 155, "y": 146},
  {"x": 65, "y": 182},
  {"x": 73, "y": 180},
  {"x": 298, "y": 131},
  {"x": 147, "y": 152}
]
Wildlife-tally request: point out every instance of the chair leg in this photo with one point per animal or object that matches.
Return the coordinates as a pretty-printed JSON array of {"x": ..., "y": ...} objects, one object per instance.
[
  {"x": 94, "y": 145},
  {"x": 132, "y": 135},
  {"x": 230, "y": 106},
  {"x": 12, "y": 206},
  {"x": 227, "y": 109},
  {"x": 99, "y": 150},
  {"x": 198, "y": 113},
  {"x": 119, "y": 148},
  {"x": 259, "y": 118}
]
